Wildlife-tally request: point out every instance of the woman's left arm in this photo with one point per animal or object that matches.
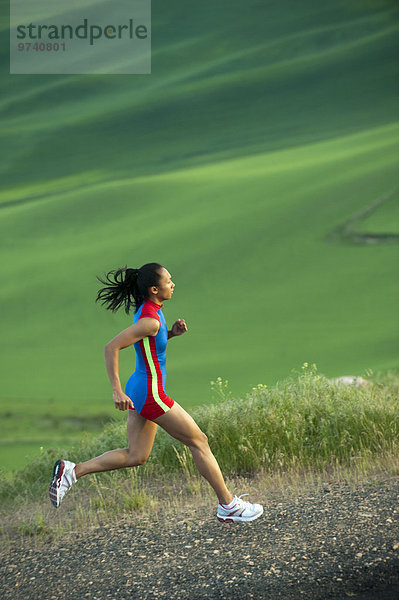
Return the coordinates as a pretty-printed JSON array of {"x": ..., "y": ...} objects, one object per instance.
[{"x": 178, "y": 328}]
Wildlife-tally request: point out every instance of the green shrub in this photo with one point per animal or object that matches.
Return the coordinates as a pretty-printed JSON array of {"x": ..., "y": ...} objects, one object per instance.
[{"x": 303, "y": 421}]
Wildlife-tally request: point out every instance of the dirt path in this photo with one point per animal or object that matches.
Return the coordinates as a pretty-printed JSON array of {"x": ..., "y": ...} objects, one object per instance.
[
  {"x": 337, "y": 542},
  {"x": 348, "y": 231}
]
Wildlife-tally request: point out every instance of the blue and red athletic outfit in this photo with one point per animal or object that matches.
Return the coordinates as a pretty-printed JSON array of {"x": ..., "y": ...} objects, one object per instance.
[{"x": 146, "y": 386}]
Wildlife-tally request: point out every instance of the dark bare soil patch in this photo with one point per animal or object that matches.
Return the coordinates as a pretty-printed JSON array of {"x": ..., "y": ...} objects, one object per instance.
[{"x": 328, "y": 541}]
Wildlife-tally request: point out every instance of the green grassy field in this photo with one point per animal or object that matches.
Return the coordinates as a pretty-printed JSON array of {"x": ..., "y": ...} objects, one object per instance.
[{"x": 251, "y": 141}]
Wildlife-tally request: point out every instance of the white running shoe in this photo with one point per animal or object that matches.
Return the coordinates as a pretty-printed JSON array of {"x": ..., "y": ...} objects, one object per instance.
[
  {"x": 63, "y": 479},
  {"x": 240, "y": 511}
]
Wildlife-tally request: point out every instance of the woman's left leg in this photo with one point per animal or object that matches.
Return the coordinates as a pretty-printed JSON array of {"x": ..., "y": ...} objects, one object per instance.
[
  {"x": 180, "y": 425},
  {"x": 140, "y": 435}
]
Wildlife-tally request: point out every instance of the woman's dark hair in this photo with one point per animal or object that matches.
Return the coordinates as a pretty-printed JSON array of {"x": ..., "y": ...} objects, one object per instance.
[{"x": 128, "y": 287}]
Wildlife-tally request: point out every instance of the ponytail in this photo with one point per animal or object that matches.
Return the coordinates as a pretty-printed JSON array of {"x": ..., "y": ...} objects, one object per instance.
[{"x": 128, "y": 287}]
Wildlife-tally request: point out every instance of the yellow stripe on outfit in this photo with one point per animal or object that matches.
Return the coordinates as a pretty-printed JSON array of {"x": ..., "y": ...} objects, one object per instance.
[{"x": 154, "y": 379}]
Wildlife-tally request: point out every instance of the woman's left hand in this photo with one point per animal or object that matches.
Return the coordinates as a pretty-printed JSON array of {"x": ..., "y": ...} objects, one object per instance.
[{"x": 179, "y": 327}]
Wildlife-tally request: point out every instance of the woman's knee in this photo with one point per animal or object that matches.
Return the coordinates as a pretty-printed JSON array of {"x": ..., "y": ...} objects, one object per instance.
[
  {"x": 135, "y": 460},
  {"x": 200, "y": 440}
]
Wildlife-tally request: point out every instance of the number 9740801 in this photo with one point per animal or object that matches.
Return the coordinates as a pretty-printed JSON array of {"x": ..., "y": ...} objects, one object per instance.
[{"x": 41, "y": 47}]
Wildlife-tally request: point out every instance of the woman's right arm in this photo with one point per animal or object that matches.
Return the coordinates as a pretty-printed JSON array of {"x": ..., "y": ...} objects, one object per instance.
[{"x": 143, "y": 328}]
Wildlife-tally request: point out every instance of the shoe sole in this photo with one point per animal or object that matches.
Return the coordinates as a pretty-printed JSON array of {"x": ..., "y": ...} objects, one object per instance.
[
  {"x": 53, "y": 487},
  {"x": 239, "y": 519}
]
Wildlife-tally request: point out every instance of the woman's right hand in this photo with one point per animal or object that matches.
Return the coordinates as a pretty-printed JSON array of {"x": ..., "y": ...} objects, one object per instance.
[{"x": 121, "y": 401}]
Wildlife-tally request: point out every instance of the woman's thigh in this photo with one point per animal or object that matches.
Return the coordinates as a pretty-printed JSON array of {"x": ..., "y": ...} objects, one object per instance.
[
  {"x": 140, "y": 433},
  {"x": 180, "y": 425}
]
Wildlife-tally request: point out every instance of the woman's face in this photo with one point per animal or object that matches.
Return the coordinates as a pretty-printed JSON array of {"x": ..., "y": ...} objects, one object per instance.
[{"x": 165, "y": 286}]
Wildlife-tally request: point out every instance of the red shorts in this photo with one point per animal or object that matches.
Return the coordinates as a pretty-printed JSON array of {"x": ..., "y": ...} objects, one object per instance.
[{"x": 152, "y": 410}]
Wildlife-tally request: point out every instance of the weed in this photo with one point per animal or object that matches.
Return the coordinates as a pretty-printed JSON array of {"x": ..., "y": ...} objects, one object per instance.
[{"x": 33, "y": 525}]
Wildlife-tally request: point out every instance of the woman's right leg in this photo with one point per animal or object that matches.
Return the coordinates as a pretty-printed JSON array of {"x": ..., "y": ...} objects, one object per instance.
[
  {"x": 180, "y": 425},
  {"x": 140, "y": 433}
]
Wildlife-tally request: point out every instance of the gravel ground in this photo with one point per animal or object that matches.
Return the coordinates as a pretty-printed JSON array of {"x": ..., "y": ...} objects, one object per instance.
[{"x": 339, "y": 541}]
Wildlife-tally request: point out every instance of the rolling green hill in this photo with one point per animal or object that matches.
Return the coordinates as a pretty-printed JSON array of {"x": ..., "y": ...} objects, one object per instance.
[{"x": 256, "y": 135}]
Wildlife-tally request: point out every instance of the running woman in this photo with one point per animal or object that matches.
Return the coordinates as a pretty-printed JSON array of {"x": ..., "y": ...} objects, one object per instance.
[{"x": 146, "y": 289}]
